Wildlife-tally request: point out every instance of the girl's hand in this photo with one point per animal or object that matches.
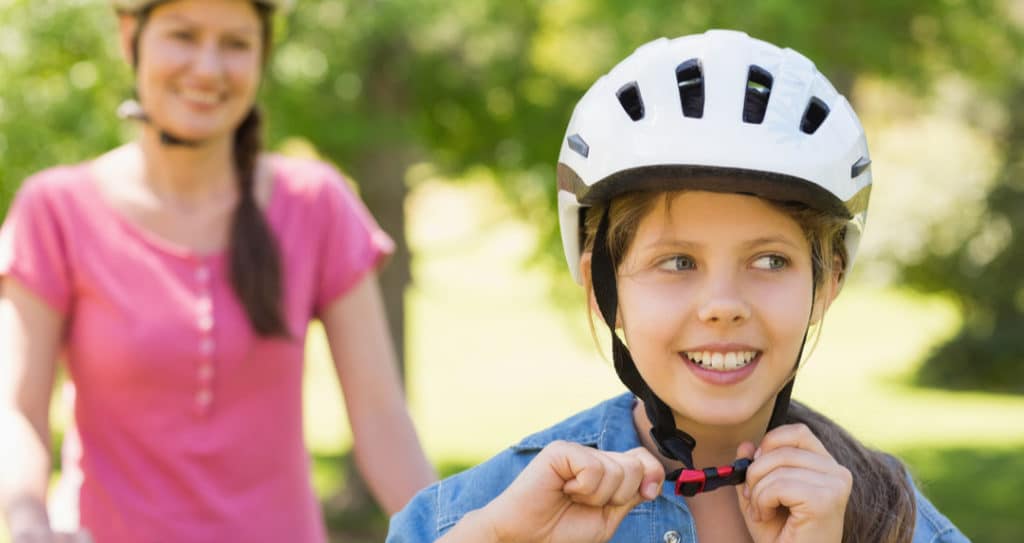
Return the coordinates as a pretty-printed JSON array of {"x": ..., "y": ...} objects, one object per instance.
[
  {"x": 572, "y": 493},
  {"x": 795, "y": 491}
]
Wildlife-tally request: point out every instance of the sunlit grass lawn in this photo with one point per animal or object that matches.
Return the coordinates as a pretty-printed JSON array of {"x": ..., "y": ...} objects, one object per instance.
[{"x": 492, "y": 359}]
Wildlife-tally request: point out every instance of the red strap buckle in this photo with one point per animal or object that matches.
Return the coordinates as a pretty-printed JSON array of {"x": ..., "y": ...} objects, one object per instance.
[{"x": 694, "y": 481}]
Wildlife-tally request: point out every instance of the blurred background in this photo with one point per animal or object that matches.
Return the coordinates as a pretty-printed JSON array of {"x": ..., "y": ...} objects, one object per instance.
[{"x": 448, "y": 117}]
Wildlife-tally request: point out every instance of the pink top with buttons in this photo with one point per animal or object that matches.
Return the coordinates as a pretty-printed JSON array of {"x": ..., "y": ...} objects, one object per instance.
[{"x": 189, "y": 426}]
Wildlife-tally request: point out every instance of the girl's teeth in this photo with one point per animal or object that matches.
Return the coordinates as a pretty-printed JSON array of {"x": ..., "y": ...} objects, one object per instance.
[{"x": 721, "y": 362}]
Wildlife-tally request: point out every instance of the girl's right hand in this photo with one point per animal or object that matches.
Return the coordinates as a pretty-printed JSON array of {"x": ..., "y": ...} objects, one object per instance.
[{"x": 571, "y": 493}]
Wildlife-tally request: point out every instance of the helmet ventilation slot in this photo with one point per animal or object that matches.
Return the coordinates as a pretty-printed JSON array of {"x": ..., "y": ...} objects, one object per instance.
[
  {"x": 632, "y": 103},
  {"x": 690, "y": 79},
  {"x": 759, "y": 89},
  {"x": 814, "y": 115}
]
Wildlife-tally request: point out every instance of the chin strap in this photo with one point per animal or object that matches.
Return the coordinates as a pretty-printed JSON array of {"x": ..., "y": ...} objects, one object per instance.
[
  {"x": 671, "y": 441},
  {"x": 132, "y": 110}
]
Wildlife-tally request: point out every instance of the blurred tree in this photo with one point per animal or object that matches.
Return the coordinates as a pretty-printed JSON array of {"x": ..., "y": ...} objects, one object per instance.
[{"x": 984, "y": 276}]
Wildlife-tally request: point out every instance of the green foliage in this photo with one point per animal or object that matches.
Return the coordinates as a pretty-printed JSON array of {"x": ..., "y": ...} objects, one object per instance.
[
  {"x": 62, "y": 83},
  {"x": 978, "y": 489},
  {"x": 984, "y": 276}
]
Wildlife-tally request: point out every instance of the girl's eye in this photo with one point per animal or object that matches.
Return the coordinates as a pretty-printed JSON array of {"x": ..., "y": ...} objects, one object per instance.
[
  {"x": 771, "y": 262},
  {"x": 677, "y": 263}
]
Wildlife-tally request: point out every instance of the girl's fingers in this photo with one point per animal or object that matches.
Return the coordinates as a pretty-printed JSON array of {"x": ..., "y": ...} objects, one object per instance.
[
  {"x": 629, "y": 488},
  {"x": 611, "y": 476},
  {"x": 598, "y": 478},
  {"x": 803, "y": 492},
  {"x": 579, "y": 469},
  {"x": 654, "y": 473},
  {"x": 792, "y": 435},
  {"x": 789, "y": 457}
]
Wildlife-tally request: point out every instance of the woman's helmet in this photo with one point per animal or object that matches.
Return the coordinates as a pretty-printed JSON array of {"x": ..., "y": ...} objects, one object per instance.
[
  {"x": 722, "y": 112},
  {"x": 133, "y": 6}
]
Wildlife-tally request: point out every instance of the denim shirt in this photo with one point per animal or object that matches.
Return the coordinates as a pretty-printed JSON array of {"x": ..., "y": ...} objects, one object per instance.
[{"x": 608, "y": 427}]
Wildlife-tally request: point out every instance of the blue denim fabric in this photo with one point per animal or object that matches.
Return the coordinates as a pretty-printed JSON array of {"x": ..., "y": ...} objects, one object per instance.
[{"x": 609, "y": 427}]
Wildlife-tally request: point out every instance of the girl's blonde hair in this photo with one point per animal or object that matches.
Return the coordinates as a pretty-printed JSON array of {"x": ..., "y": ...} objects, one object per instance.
[{"x": 881, "y": 508}]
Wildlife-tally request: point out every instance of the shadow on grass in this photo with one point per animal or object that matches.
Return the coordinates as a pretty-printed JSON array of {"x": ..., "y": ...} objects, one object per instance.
[
  {"x": 978, "y": 489},
  {"x": 350, "y": 516}
]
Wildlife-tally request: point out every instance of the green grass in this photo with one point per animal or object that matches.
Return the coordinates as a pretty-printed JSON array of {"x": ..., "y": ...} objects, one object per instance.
[{"x": 492, "y": 359}]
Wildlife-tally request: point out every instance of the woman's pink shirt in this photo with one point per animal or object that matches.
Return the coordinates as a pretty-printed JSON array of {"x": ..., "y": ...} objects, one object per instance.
[{"x": 188, "y": 426}]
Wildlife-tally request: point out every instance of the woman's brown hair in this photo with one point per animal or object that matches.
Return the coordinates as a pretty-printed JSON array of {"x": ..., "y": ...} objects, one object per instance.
[
  {"x": 255, "y": 263},
  {"x": 881, "y": 508}
]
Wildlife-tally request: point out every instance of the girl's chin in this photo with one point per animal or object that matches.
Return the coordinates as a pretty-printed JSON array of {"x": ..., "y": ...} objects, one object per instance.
[{"x": 714, "y": 414}]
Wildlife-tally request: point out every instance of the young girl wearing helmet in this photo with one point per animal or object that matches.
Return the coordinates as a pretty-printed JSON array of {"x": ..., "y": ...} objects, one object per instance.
[
  {"x": 178, "y": 275},
  {"x": 712, "y": 191}
]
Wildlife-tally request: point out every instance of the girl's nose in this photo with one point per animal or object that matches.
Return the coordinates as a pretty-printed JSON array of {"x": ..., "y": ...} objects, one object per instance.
[{"x": 724, "y": 308}]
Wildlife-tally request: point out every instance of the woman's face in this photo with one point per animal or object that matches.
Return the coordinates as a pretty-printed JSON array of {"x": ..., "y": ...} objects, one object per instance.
[
  {"x": 199, "y": 66},
  {"x": 715, "y": 295}
]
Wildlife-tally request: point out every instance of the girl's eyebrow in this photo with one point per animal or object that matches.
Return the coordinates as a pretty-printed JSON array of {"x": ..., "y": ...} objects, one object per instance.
[
  {"x": 768, "y": 240},
  {"x": 686, "y": 244}
]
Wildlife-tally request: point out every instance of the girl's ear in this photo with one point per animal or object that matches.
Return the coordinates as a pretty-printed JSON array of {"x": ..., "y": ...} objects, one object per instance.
[
  {"x": 828, "y": 291},
  {"x": 127, "y": 25}
]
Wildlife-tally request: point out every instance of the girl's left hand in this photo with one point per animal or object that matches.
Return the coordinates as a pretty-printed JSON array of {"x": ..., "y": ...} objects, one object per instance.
[{"x": 795, "y": 491}]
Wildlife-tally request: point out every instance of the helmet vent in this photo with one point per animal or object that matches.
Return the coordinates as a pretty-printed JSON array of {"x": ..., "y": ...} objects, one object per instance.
[
  {"x": 759, "y": 89},
  {"x": 576, "y": 143},
  {"x": 632, "y": 103},
  {"x": 814, "y": 115},
  {"x": 690, "y": 79}
]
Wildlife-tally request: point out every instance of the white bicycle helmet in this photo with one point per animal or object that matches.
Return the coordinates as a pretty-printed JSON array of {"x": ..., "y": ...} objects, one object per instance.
[
  {"x": 132, "y": 6},
  {"x": 684, "y": 113},
  {"x": 723, "y": 112}
]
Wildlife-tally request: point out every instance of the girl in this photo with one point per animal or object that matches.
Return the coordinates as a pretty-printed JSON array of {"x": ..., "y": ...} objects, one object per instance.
[
  {"x": 178, "y": 275},
  {"x": 712, "y": 193}
]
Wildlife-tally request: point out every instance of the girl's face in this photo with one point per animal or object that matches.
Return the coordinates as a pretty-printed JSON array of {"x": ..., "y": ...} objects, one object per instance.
[
  {"x": 200, "y": 65},
  {"x": 715, "y": 295}
]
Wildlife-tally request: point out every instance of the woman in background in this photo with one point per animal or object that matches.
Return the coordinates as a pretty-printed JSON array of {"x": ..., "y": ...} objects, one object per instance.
[{"x": 177, "y": 276}]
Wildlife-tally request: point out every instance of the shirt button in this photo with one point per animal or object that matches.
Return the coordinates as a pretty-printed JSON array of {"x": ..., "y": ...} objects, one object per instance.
[
  {"x": 202, "y": 274},
  {"x": 205, "y": 372},
  {"x": 204, "y": 397},
  {"x": 205, "y": 323},
  {"x": 206, "y": 346},
  {"x": 204, "y": 306},
  {"x": 672, "y": 536}
]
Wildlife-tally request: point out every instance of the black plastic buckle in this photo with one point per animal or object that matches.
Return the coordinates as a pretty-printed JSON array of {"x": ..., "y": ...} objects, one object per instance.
[{"x": 691, "y": 482}]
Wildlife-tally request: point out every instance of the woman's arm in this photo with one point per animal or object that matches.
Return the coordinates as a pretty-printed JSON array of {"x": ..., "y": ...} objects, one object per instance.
[
  {"x": 387, "y": 450},
  {"x": 30, "y": 332}
]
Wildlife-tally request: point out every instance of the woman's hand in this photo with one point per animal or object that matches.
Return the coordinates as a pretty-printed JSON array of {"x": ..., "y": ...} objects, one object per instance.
[
  {"x": 795, "y": 491},
  {"x": 571, "y": 493},
  {"x": 44, "y": 535}
]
